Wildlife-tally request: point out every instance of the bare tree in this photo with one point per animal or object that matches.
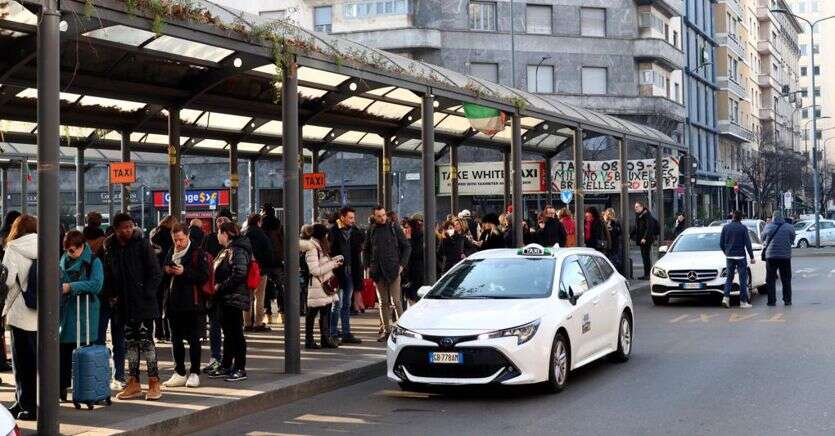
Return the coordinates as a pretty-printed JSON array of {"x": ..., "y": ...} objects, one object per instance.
[{"x": 771, "y": 170}]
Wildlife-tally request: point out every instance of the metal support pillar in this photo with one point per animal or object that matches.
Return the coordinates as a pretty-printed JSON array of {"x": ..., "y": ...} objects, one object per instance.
[
  {"x": 314, "y": 168},
  {"x": 428, "y": 179},
  {"x": 659, "y": 192},
  {"x": 253, "y": 207},
  {"x": 624, "y": 210},
  {"x": 175, "y": 179},
  {"x": 24, "y": 186},
  {"x": 109, "y": 197},
  {"x": 387, "y": 179},
  {"x": 453, "y": 179},
  {"x": 4, "y": 189},
  {"x": 125, "y": 188},
  {"x": 380, "y": 178},
  {"x": 79, "y": 187},
  {"x": 301, "y": 177},
  {"x": 516, "y": 177},
  {"x": 49, "y": 120},
  {"x": 506, "y": 161},
  {"x": 549, "y": 182},
  {"x": 292, "y": 204},
  {"x": 234, "y": 179},
  {"x": 579, "y": 196}
]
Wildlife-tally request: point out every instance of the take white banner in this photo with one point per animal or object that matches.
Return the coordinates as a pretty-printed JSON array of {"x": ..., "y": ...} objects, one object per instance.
[
  {"x": 487, "y": 178},
  {"x": 604, "y": 176}
]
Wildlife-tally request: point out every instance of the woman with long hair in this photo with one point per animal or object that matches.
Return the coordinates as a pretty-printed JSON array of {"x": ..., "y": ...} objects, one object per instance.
[
  {"x": 564, "y": 215},
  {"x": 10, "y": 218},
  {"x": 615, "y": 231},
  {"x": 21, "y": 253},
  {"x": 454, "y": 244},
  {"x": 232, "y": 295},
  {"x": 595, "y": 232},
  {"x": 491, "y": 236},
  {"x": 320, "y": 266}
]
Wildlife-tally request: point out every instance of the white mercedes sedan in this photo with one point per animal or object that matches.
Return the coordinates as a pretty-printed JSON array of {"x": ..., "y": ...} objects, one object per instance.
[
  {"x": 514, "y": 317},
  {"x": 694, "y": 266}
]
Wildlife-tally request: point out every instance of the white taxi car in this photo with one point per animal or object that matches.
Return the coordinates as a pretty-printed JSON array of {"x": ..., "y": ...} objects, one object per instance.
[
  {"x": 694, "y": 266},
  {"x": 514, "y": 317}
]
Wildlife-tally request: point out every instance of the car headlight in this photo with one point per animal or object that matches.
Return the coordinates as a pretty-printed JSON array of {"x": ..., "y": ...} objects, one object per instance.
[
  {"x": 523, "y": 333},
  {"x": 724, "y": 272},
  {"x": 658, "y": 272},
  {"x": 398, "y": 331}
]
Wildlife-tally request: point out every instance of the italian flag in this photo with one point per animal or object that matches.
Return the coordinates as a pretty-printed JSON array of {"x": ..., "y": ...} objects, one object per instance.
[{"x": 484, "y": 119}]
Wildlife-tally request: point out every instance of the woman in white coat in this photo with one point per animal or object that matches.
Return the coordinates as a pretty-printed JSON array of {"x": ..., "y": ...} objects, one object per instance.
[
  {"x": 320, "y": 265},
  {"x": 21, "y": 252}
]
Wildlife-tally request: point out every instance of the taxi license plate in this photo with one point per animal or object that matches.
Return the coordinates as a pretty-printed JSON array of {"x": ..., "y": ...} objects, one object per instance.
[
  {"x": 446, "y": 358},
  {"x": 692, "y": 285}
]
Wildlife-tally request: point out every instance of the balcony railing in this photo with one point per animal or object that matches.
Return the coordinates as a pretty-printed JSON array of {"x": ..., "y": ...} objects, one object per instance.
[
  {"x": 659, "y": 50},
  {"x": 730, "y": 128},
  {"x": 766, "y": 80},
  {"x": 734, "y": 87},
  {"x": 733, "y": 45}
]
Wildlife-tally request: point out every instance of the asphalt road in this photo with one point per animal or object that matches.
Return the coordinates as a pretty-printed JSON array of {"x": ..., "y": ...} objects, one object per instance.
[{"x": 695, "y": 370}]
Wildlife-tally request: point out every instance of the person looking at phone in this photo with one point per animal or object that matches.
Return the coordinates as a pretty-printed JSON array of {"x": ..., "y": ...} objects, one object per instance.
[
  {"x": 319, "y": 301},
  {"x": 346, "y": 243}
]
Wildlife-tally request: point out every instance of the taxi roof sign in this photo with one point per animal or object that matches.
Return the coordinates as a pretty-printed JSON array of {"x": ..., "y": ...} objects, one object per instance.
[{"x": 534, "y": 250}]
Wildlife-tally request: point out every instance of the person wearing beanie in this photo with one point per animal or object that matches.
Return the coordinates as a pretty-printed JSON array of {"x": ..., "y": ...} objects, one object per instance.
[{"x": 491, "y": 236}]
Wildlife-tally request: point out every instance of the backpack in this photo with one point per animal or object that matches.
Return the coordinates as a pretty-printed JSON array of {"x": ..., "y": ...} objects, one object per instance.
[
  {"x": 30, "y": 294},
  {"x": 253, "y": 274},
  {"x": 4, "y": 289}
]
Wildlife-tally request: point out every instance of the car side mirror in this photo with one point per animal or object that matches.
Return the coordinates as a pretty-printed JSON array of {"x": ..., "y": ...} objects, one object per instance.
[
  {"x": 663, "y": 249},
  {"x": 423, "y": 290}
]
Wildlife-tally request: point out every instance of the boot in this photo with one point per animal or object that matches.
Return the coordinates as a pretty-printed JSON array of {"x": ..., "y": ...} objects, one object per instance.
[
  {"x": 329, "y": 342},
  {"x": 132, "y": 390},
  {"x": 310, "y": 344},
  {"x": 154, "y": 390}
]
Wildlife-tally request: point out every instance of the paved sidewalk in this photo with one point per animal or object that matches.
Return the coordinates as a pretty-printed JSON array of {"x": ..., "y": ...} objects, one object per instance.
[{"x": 216, "y": 401}]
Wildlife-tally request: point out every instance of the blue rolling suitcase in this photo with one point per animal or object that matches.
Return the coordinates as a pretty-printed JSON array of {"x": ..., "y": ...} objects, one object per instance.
[{"x": 90, "y": 367}]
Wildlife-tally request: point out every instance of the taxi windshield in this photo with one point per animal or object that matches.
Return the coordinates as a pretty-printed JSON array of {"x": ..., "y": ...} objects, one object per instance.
[
  {"x": 697, "y": 242},
  {"x": 524, "y": 277}
]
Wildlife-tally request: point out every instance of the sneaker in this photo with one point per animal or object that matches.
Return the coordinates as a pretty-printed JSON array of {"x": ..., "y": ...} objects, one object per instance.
[
  {"x": 239, "y": 375},
  {"x": 219, "y": 373},
  {"x": 117, "y": 385},
  {"x": 193, "y": 381},
  {"x": 213, "y": 365},
  {"x": 745, "y": 305},
  {"x": 726, "y": 302},
  {"x": 176, "y": 381}
]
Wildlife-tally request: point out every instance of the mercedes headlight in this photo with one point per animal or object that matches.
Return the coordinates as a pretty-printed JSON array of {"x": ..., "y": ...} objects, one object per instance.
[
  {"x": 523, "y": 333},
  {"x": 658, "y": 272},
  {"x": 398, "y": 331}
]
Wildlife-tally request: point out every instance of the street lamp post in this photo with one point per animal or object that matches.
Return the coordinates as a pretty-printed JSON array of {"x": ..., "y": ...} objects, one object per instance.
[
  {"x": 812, "y": 25},
  {"x": 536, "y": 73}
]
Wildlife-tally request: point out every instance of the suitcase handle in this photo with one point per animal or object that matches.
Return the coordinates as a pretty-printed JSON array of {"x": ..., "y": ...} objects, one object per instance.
[{"x": 78, "y": 320}]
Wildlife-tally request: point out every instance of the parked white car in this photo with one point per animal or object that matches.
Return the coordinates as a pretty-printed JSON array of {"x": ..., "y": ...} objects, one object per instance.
[
  {"x": 8, "y": 425},
  {"x": 805, "y": 233},
  {"x": 514, "y": 317},
  {"x": 756, "y": 226},
  {"x": 694, "y": 266}
]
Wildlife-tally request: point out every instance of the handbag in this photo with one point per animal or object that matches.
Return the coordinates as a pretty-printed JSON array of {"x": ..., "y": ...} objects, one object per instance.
[{"x": 330, "y": 286}]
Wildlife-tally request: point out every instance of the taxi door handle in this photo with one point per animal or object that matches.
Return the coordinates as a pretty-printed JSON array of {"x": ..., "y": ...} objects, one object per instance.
[{"x": 595, "y": 301}]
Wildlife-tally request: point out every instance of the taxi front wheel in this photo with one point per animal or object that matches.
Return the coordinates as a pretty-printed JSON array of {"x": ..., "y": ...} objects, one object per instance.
[
  {"x": 625, "y": 336},
  {"x": 559, "y": 364}
]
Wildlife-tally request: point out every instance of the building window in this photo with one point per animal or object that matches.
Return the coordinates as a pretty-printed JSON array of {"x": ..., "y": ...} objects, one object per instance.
[
  {"x": 486, "y": 71},
  {"x": 541, "y": 79},
  {"x": 594, "y": 80},
  {"x": 279, "y": 14},
  {"x": 322, "y": 19},
  {"x": 804, "y": 92},
  {"x": 375, "y": 8},
  {"x": 805, "y": 113},
  {"x": 817, "y": 92},
  {"x": 483, "y": 16},
  {"x": 538, "y": 19},
  {"x": 803, "y": 71},
  {"x": 817, "y": 70},
  {"x": 593, "y": 22}
]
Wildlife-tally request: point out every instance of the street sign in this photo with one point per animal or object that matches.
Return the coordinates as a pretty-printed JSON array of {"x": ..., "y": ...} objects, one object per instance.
[
  {"x": 566, "y": 196},
  {"x": 314, "y": 180},
  {"x": 787, "y": 200},
  {"x": 122, "y": 173}
]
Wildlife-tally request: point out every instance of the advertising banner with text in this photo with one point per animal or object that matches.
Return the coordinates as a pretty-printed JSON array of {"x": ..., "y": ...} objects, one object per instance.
[
  {"x": 487, "y": 178},
  {"x": 604, "y": 176}
]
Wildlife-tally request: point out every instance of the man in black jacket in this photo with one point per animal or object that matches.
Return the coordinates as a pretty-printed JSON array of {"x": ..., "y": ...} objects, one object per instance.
[
  {"x": 644, "y": 234},
  {"x": 263, "y": 252},
  {"x": 132, "y": 272},
  {"x": 385, "y": 253},
  {"x": 552, "y": 232},
  {"x": 346, "y": 241}
]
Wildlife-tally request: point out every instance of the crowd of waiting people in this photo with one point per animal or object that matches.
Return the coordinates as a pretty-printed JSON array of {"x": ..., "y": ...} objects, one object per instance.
[{"x": 183, "y": 284}]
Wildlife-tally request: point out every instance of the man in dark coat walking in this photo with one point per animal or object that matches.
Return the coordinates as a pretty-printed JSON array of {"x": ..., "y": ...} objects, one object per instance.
[
  {"x": 132, "y": 273},
  {"x": 386, "y": 253},
  {"x": 552, "y": 232}
]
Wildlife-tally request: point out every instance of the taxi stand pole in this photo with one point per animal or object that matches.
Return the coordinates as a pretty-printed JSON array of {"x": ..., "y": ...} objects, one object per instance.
[
  {"x": 387, "y": 179},
  {"x": 125, "y": 187},
  {"x": 624, "y": 210},
  {"x": 314, "y": 164},
  {"x": 380, "y": 178},
  {"x": 659, "y": 192},
  {"x": 79, "y": 187},
  {"x": 579, "y": 200},
  {"x": 48, "y": 79},
  {"x": 233, "y": 178},
  {"x": 175, "y": 180},
  {"x": 516, "y": 172},
  {"x": 252, "y": 186},
  {"x": 428, "y": 179},
  {"x": 453, "y": 179},
  {"x": 290, "y": 133},
  {"x": 24, "y": 186},
  {"x": 506, "y": 162},
  {"x": 4, "y": 191}
]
